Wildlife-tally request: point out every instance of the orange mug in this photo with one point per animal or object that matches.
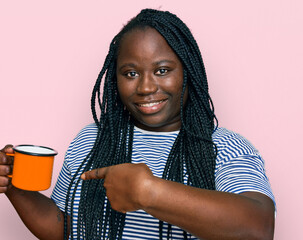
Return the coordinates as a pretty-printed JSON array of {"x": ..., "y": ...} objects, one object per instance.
[{"x": 33, "y": 167}]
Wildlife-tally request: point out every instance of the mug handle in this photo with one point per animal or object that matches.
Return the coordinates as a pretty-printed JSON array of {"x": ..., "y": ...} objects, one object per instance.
[{"x": 10, "y": 154}]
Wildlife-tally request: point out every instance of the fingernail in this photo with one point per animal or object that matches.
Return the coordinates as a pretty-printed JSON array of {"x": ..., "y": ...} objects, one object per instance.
[{"x": 83, "y": 176}]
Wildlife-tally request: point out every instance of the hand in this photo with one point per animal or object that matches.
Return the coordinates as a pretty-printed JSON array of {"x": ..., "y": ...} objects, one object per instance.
[
  {"x": 128, "y": 186},
  {"x": 6, "y": 163}
]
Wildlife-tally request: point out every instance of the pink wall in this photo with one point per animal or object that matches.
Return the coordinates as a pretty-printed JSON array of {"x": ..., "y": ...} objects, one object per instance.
[{"x": 51, "y": 53}]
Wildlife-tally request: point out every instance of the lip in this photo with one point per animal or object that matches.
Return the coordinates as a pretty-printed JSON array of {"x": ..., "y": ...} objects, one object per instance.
[{"x": 151, "y": 107}]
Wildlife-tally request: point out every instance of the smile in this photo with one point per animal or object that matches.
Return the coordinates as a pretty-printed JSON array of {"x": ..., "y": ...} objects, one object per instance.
[
  {"x": 151, "y": 104},
  {"x": 151, "y": 107}
]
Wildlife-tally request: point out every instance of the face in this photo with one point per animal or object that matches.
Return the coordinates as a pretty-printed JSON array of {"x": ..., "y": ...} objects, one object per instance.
[{"x": 150, "y": 78}]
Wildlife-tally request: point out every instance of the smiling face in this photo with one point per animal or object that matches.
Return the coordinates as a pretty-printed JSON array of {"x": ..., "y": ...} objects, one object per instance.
[{"x": 150, "y": 78}]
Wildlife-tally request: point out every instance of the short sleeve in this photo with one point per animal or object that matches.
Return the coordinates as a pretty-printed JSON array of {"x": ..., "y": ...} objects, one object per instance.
[
  {"x": 75, "y": 155},
  {"x": 239, "y": 166},
  {"x": 243, "y": 174}
]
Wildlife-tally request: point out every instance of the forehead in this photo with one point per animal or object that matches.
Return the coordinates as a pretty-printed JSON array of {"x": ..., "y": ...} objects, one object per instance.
[{"x": 144, "y": 42}]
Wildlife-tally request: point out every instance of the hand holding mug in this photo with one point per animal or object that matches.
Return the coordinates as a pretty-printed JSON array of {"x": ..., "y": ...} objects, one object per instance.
[
  {"x": 5, "y": 168},
  {"x": 32, "y": 170},
  {"x": 33, "y": 167}
]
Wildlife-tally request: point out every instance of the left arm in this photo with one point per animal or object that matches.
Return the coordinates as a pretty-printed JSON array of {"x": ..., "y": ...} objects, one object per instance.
[{"x": 204, "y": 213}]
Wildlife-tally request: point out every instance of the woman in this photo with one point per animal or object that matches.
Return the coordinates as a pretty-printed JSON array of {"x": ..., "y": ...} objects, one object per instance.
[{"x": 154, "y": 165}]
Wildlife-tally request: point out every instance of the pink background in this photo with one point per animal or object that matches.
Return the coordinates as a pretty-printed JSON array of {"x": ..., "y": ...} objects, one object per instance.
[{"x": 51, "y": 53}]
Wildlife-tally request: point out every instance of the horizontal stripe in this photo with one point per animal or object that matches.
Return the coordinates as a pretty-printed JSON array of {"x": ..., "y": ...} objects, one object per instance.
[{"x": 239, "y": 168}]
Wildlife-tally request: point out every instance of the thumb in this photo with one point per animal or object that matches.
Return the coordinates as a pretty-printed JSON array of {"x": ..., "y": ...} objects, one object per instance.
[{"x": 8, "y": 149}]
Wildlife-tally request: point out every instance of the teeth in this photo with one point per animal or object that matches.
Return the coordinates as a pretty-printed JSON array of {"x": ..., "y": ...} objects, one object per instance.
[{"x": 150, "y": 104}]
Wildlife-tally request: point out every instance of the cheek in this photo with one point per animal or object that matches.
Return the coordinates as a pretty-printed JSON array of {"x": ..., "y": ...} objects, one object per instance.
[
  {"x": 120, "y": 92},
  {"x": 125, "y": 92},
  {"x": 174, "y": 87},
  {"x": 122, "y": 89},
  {"x": 175, "y": 81}
]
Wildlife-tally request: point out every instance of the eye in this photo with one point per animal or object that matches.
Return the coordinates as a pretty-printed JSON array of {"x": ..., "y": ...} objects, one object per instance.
[
  {"x": 131, "y": 74},
  {"x": 161, "y": 71}
]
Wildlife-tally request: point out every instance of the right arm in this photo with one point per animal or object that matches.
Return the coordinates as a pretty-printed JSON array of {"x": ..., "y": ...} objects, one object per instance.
[{"x": 38, "y": 212}]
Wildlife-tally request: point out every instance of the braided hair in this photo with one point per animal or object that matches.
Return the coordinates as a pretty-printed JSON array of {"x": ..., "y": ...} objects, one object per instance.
[{"x": 193, "y": 149}]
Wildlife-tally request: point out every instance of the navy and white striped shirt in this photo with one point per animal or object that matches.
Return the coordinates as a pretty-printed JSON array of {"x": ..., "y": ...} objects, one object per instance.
[{"x": 239, "y": 168}]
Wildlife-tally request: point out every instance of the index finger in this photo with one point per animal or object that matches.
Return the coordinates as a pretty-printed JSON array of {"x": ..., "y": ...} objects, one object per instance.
[{"x": 98, "y": 173}]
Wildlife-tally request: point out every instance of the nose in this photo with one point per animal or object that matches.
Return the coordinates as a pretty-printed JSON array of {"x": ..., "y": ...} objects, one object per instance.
[{"x": 147, "y": 85}]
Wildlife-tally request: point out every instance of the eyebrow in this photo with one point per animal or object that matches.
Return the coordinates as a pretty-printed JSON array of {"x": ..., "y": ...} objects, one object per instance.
[
  {"x": 155, "y": 63},
  {"x": 127, "y": 65},
  {"x": 163, "y": 61}
]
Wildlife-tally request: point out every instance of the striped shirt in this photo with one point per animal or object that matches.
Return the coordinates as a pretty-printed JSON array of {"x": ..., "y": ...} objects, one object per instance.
[{"x": 239, "y": 168}]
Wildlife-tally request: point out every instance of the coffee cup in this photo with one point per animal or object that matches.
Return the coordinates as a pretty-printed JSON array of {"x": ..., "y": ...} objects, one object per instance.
[{"x": 33, "y": 167}]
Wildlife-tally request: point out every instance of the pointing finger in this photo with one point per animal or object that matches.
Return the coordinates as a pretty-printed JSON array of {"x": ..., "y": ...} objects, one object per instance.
[{"x": 98, "y": 173}]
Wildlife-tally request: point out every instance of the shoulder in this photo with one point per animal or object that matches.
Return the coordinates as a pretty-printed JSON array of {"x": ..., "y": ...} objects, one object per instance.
[
  {"x": 88, "y": 133},
  {"x": 82, "y": 143},
  {"x": 239, "y": 165},
  {"x": 88, "y": 130},
  {"x": 233, "y": 147},
  {"x": 232, "y": 143}
]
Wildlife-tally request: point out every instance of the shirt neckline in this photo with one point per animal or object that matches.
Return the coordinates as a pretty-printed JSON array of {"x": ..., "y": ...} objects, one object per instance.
[{"x": 155, "y": 133}]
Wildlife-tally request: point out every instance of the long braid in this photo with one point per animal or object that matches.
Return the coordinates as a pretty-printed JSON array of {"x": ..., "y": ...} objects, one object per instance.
[
  {"x": 198, "y": 122},
  {"x": 193, "y": 150}
]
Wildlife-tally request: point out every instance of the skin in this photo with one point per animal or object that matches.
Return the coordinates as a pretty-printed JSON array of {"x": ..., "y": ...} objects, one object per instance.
[{"x": 149, "y": 72}]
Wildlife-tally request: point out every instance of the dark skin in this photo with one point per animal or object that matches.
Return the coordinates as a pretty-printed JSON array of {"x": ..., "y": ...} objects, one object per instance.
[
  {"x": 149, "y": 83},
  {"x": 150, "y": 78}
]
